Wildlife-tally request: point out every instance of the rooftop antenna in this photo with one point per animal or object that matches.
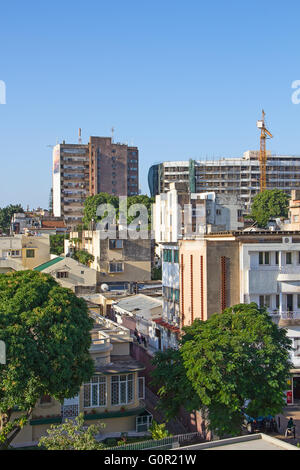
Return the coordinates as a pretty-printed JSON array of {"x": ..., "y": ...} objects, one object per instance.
[{"x": 79, "y": 136}]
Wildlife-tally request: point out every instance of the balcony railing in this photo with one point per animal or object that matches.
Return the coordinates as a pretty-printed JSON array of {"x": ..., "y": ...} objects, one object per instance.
[
  {"x": 70, "y": 411},
  {"x": 100, "y": 340},
  {"x": 287, "y": 315}
]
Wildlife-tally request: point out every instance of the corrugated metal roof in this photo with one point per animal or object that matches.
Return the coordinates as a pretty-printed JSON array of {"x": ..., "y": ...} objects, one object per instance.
[{"x": 43, "y": 266}]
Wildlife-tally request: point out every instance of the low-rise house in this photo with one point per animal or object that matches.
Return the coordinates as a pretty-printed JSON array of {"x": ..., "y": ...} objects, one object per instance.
[
  {"x": 22, "y": 252},
  {"x": 113, "y": 396},
  {"x": 116, "y": 261},
  {"x": 35, "y": 223},
  {"x": 293, "y": 222},
  {"x": 70, "y": 273}
]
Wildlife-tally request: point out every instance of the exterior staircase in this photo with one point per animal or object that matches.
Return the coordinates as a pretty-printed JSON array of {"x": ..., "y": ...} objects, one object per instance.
[{"x": 174, "y": 426}]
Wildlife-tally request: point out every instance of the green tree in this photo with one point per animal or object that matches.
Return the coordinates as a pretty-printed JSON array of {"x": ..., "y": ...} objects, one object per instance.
[
  {"x": 268, "y": 204},
  {"x": 157, "y": 274},
  {"x": 72, "y": 435},
  {"x": 57, "y": 243},
  {"x": 46, "y": 329},
  {"x": 91, "y": 204},
  {"x": 6, "y": 214},
  {"x": 233, "y": 363},
  {"x": 83, "y": 257},
  {"x": 158, "y": 431}
]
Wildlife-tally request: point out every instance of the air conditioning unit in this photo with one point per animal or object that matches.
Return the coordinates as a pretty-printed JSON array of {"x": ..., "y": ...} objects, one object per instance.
[{"x": 287, "y": 239}]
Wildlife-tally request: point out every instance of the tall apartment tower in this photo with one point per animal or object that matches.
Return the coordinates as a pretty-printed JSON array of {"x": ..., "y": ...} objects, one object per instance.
[
  {"x": 114, "y": 168},
  {"x": 70, "y": 181},
  {"x": 82, "y": 170}
]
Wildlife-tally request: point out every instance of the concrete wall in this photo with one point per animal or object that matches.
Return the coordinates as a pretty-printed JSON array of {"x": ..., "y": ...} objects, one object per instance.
[{"x": 201, "y": 278}]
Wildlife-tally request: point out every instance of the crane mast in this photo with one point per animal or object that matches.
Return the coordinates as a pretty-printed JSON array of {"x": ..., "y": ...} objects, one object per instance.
[{"x": 264, "y": 134}]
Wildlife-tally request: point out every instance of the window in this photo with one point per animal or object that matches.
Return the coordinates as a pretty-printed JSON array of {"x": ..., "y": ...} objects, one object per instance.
[
  {"x": 298, "y": 301},
  {"x": 168, "y": 256},
  {"x": 141, "y": 383},
  {"x": 288, "y": 258},
  {"x": 122, "y": 389},
  {"x": 15, "y": 253},
  {"x": 29, "y": 253},
  {"x": 264, "y": 301},
  {"x": 176, "y": 256},
  {"x": 116, "y": 267},
  {"x": 94, "y": 392},
  {"x": 177, "y": 295},
  {"x": 276, "y": 257},
  {"x": 62, "y": 275},
  {"x": 115, "y": 244},
  {"x": 264, "y": 257}
]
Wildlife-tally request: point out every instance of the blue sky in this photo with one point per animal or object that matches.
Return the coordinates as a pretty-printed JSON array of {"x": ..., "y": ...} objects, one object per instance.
[{"x": 179, "y": 79}]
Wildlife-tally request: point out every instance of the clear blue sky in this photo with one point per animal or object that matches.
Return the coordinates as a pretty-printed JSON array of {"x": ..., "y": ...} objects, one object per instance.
[{"x": 180, "y": 79}]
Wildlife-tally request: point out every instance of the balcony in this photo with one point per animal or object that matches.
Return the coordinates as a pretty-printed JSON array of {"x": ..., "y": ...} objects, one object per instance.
[
  {"x": 100, "y": 341},
  {"x": 286, "y": 318}
]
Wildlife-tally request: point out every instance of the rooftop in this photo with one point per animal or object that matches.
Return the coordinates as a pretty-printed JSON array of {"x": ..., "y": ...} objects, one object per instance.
[
  {"x": 115, "y": 331},
  {"x": 46, "y": 265},
  {"x": 139, "y": 302},
  {"x": 120, "y": 364},
  {"x": 250, "y": 442}
]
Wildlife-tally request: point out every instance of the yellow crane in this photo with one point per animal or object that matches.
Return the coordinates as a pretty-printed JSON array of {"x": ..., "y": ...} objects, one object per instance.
[{"x": 262, "y": 154}]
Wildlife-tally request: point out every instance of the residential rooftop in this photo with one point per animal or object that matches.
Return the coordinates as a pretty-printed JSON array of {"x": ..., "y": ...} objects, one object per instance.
[{"x": 139, "y": 302}]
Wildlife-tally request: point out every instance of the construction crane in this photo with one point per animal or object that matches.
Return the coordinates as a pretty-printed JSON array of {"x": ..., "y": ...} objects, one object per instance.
[{"x": 264, "y": 134}]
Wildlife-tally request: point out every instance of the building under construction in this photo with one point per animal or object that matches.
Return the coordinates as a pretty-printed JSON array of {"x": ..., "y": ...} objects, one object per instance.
[{"x": 236, "y": 176}]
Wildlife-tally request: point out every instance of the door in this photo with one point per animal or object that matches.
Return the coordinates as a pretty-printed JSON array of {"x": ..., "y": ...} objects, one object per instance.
[
  {"x": 289, "y": 302},
  {"x": 296, "y": 389}
]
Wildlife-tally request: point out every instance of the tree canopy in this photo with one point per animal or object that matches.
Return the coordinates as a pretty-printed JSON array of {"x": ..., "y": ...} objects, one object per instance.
[
  {"x": 6, "y": 214},
  {"x": 83, "y": 257},
  {"x": 234, "y": 363},
  {"x": 72, "y": 435},
  {"x": 268, "y": 204},
  {"x": 46, "y": 329},
  {"x": 91, "y": 204},
  {"x": 57, "y": 243}
]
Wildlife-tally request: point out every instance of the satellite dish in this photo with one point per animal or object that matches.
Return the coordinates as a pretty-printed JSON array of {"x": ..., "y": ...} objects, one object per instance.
[{"x": 104, "y": 287}]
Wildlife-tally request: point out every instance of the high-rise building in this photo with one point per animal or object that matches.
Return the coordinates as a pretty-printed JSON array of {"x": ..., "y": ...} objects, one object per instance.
[
  {"x": 82, "y": 170},
  {"x": 114, "y": 167},
  {"x": 70, "y": 181},
  {"x": 235, "y": 176}
]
